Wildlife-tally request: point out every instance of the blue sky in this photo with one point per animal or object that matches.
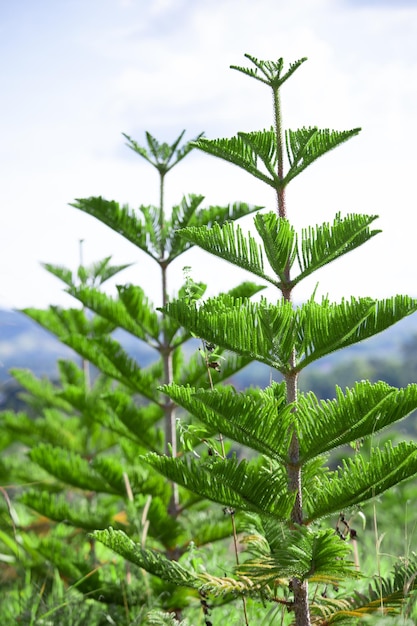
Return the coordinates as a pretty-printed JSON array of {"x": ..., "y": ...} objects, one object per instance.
[{"x": 75, "y": 74}]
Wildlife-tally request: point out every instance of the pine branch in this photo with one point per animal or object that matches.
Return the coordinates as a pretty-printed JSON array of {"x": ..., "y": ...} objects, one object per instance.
[
  {"x": 186, "y": 215},
  {"x": 182, "y": 215},
  {"x": 81, "y": 513},
  {"x": 280, "y": 243},
  {"x": 162, "y": 155},
  {"x": 42, "y": 389},
  {"x": 132, "y": 311},
  {"x": 306, "y": 145},
  {"x": 54, "y": 428},
  {"x": 359, "y": 413},
  {"x": 318, "y": 556},
  {"x": 194, "y": 372},
  {"x": 256, "y": 419},
  {"x": 358, "y": 480},
  {"x": 108, "y": 355},
  {"x": 325, "y": 243},
  {"x": 68, "y": 467},
  {"x": 139, "y": 421},
  {"x": 253, "y": 330},
  {"x": 64, "y": 322},
  {"x": 229, "y": 243},
  {"x": 60, "y": 272},
  {"x": 324, "y": 328},
  {"x": 152, "y": 561},
  {"x": 70, "y": 373},
  {"x": 247, "y": 486},
  {"x": 271, "y": 70},
  {"x": 387, "y": 595},
  {"x": 240, "y": 151},
  {"x": 122, "y": 220}
]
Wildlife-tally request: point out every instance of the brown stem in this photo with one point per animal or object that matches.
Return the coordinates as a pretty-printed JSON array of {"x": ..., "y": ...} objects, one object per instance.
[
  {"x": 300, "y": 588},
  {"x": 166, "y": 352}
]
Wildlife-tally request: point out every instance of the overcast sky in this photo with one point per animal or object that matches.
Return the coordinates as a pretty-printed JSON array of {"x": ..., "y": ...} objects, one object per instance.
[{"x": 75, "y": 74}]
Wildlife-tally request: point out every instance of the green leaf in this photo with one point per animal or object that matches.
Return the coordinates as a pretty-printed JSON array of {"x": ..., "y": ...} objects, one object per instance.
[
  {"x": 319, "y": 245},
  {"x": 156, "y": 230},
  {"x": 269, "y": 333},
  {"x": 166, "y": 529},
  {"x": 150, "y": 560},
  {"x": 43, "y": 389},
  {"x": 359, "y": 480},
  {"x": 62, "y": 322},
  {"x": 325, "y": 243},
  {"x": 265, "y": 149},
  {"x": 162, "y": 155},
  {"x": 132, "y": 311},
  {"x": 306, "y": 145},
  {"x": 63, "y": 557},
  {"x": 245, "y": 150},
  {"x": 248, "y": 486},
  {"x": 108, "y": 355},
  {"x": 206, "y": 217},
  {"x": 182, "y": 214},
  {"x": 80, "y": 513},
  {"x": 255, "y": 330},
  {"x": 256, "y": 419},
  {"x": 357, "y": 414},
  {"x": 139, "y": 421},
  {"x": 68, "y": 467},
  {"x": 229, "y": 243},
  {"x": 326, "y": 327},
  {"x": 59, "y": 321},
  {"x": 95, "y": 274},
  {"x": 55, "y": 428},
  {"x": 121, "y": 219},
  {"x": 215, "y": 214},
  {"x": 70, "y": 373},
  {"x": 246, "y": 289},
  {"x": 100, "y": 271},
  {"x": 117, "y": 472},
  {"x": 215, "y": 529},
  {"x": 279, "y": 241},
  {"x": 301, "y": 553},
  {"x": 60, "y": 272},
  {"x": 194, "y": 371},
  {"x": 269, "y": 72}
]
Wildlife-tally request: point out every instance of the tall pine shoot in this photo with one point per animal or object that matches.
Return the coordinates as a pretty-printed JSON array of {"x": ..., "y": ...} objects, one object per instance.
[{"x": 289, "y": 496}]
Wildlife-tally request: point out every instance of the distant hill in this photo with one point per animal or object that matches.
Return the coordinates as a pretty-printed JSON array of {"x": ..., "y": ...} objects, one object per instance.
[{"x": 24, "y": 344}]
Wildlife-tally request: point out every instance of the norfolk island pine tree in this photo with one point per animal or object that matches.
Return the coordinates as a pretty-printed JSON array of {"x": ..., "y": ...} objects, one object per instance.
[
  {"x": 288, "y": 489},
  {"x": 83, "y": 468}
]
